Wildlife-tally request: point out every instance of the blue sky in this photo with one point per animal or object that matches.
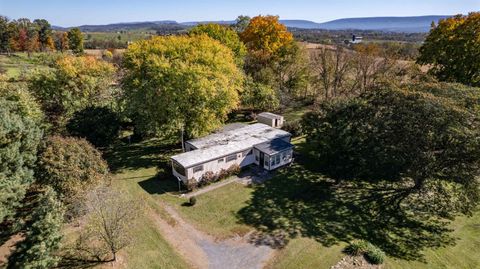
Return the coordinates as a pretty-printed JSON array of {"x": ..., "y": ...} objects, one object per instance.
[{"x": 78, "y": 12}]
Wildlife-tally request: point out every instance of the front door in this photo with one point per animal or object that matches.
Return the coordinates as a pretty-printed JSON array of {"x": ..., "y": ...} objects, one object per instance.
[{"x": 262, "y": 159}]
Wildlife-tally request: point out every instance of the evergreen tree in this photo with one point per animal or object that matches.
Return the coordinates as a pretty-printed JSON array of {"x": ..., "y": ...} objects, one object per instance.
[
  {"x": 19, "y": 139},
  {"x": 43, "y": 236}
]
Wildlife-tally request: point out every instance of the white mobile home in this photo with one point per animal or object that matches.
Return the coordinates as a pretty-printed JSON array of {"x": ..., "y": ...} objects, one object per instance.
[{"x": 243, "y": 145}]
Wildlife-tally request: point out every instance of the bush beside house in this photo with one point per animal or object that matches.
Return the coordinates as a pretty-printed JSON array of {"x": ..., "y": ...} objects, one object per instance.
[{"x": 210, "y": 177}]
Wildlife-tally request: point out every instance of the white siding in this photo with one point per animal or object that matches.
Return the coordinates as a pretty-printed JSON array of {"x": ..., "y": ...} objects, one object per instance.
[
  {"x": 215, "y": 166},
  {"x": 264, "y": 120},
  {"x": 270, "y": 121}
]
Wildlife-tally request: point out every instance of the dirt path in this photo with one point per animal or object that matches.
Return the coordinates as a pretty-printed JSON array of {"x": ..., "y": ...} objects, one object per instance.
[{"x": 203, "y": 251}]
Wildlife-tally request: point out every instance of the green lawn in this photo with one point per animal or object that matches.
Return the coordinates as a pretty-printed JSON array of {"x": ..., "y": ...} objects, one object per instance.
[
  {"x": 296, "y": 113},
  {"x": 149, "y": 250},
  {"x": 21, "y": 63},
  {"x": 215, "y": 211},
  {"x": 316, "y": 218},
  {"x": 462, "y": 255}
]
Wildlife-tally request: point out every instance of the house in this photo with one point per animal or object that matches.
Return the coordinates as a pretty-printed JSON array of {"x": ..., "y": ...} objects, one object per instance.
[
  {"x": 355, "y": 40},
  {"x": 270, "y": 119},
  {"x": 239, "y": 144}
]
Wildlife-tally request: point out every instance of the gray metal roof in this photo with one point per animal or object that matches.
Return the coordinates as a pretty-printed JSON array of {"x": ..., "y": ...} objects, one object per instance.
[
  {"x": 269, "y": 115},
  {"x": 228, "y": 142},
  {"x": 273, "y": 146}
]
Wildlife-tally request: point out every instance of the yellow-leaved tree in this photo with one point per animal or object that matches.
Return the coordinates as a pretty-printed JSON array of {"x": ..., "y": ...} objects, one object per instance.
[
  {"x": 452, "y": 49},
  {"x": 266, "y": 35},
  {"x": 178, "y": 83},
  {"x": 74, "y": 84}
]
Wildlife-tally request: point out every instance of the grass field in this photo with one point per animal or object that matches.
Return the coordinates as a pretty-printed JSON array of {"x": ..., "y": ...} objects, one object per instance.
[
  {"x": 317, "y": 221},
  {"x": 20, "y": 63}
]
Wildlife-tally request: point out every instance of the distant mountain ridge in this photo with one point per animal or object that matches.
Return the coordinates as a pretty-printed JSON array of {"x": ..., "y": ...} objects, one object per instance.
[{"x": 416, "y": 24}]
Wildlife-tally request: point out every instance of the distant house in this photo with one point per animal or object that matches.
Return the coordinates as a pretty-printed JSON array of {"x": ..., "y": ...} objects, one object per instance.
[
  {"x": 355, "y": 40},
  {"x": 239, "y": 144},
  {"x": 270, "y": 119}
]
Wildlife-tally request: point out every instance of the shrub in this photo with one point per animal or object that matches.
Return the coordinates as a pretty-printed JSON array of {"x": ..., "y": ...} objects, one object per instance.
[
  {"x": 193, "y": 200},
  {"x": 222, "y": 174},
  {"x": 191, "y": 184},
  {"x": 71, "y": 166},
  {"x": 371, "y": 253},
  {"x": 99, "y": 125},
  {"x": 233, "y": 170},
  {"x": 356, "y": 248},
  {"x": 208, "y": 177},
  {"x": 374, "y": 255},
  {"x": 293, "y": 127}
]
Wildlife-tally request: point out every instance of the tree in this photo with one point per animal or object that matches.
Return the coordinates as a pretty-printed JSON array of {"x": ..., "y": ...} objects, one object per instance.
[
  {"x": 224, "y": 35},
  {"x": 241, "y": 23},
  {"x": 44, "y": 34},
  {"x": 259, "y": 97},
  {"x": 43, "y": 235},
  {"x": 274, "y": 58},
  {"x": 74, "y": 84},
  {"x": 451, "y": 48},
  {"x": 370, "y": 67},
  {"x": 61, "y": 41},
  {"x": 75, "y": 40},
  {"x": 25, "y": 35},
  {"x": 265, "y": 36},
  {"x": 180, "y": 82},
  {"x": 19, "y": 139},
  {"x": 422, "y": 138},
  {"x": 99, "y": 125},
  {"x": 5, "y": 34},
  {"x": 71, "y": 166},
  {"x": 331, "y": 68},
  {"x": 27, "y": 105},
  {"x": 291, "y": 72},
  {"x": 111, "y": 216}
]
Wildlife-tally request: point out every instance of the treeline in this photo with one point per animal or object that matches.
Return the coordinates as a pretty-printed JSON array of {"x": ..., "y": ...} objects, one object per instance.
[
  {"x": 23, "y": 35},
  {"x": 338, "y": 36}
]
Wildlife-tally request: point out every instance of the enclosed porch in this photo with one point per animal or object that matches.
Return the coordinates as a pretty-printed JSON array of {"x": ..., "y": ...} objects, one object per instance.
[{"x": 273, "y": 154}]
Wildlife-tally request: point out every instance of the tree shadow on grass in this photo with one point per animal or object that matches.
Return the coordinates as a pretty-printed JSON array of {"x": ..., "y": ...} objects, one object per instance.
[
  {"x": 299, "y": 202},
  {"x": 156, "y": 185},
  {"x": 146, "y": 154}
]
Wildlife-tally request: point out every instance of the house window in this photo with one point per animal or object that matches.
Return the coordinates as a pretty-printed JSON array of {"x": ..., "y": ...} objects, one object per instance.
[
  {"x": 247, "y": 153},
  {"x": 179, "y": 169},
  {"x": 272, "y": 162},
  {"x": 231, "y": 158},
  {"x": 266, "y": 162},
  {"x": 198, "y": 168},
  {"x": 277, "y": 159},
  {"x": 221, "y": 160}
]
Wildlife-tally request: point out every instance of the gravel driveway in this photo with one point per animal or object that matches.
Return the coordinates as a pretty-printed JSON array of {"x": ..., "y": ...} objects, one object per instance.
[{"x": 203, "y": 251}]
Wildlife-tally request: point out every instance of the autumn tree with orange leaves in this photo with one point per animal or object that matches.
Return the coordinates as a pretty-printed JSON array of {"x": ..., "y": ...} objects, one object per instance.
[{"x": 274, "y": 58}]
